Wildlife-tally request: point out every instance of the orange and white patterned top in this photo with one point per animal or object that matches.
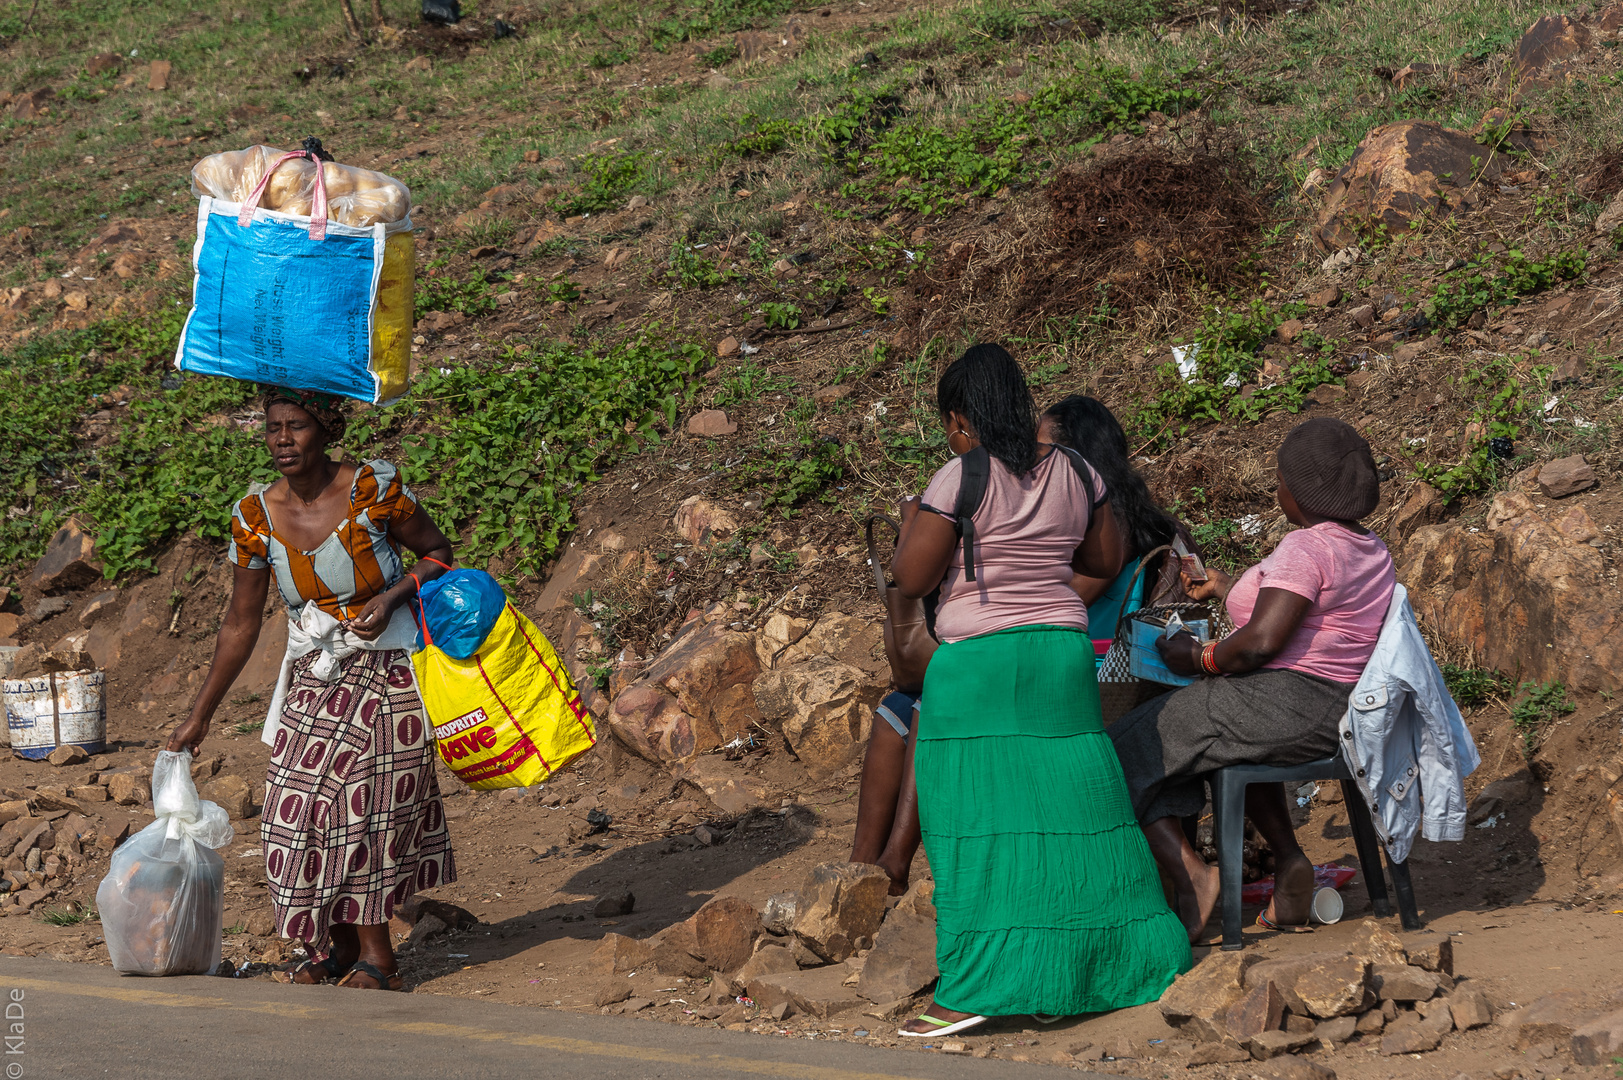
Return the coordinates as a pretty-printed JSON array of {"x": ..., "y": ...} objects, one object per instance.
[{"x": 356, "y": 562}]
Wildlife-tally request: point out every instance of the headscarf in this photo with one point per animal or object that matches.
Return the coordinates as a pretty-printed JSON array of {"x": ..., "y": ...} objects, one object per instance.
[
  {"x": 328, "y": 410},
  {"x": 1329, "y": 470}
]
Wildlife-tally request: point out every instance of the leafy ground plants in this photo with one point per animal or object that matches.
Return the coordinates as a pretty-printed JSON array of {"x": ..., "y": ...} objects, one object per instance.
[
  {"x": 1538, "y": 706},
  {"x": 509, "y": 444}
]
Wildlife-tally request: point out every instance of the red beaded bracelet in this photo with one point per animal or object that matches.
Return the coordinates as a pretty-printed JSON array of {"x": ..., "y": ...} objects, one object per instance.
[{"x": 1208, "y": 659}]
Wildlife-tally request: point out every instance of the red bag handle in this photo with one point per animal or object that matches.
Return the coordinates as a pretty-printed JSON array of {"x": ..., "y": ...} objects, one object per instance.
[
  {"x": 318, "y": 207},
  {"x": 422, "y": 620}
]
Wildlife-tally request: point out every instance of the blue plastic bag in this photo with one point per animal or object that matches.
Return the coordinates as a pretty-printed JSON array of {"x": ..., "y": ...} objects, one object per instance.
[{"x": 459, "y": 608}]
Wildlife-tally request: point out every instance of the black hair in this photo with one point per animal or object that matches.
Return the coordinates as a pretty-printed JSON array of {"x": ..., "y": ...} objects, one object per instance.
[
  {"x": 1087, "y": 426},
  {"x": 987, "y": 387}
]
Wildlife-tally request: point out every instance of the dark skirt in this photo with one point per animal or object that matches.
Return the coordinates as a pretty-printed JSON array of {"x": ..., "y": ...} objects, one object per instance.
[{"x": 1269, "y": 717}]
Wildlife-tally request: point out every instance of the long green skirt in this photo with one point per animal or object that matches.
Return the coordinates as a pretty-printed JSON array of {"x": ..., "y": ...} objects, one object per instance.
[{"x": 1047, "y": 898}]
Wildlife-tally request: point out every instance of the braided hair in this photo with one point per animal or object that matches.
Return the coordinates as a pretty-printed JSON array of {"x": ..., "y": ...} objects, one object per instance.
[
  {"x": 987, "y": 387},
  {"x": 1087, "y": 426}
]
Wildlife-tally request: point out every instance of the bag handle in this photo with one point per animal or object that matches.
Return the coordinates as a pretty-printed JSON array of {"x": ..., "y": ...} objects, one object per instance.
[
  {"x": 1121, "y": 620},
  {"x": 873, "y": 552},
  {"x": 422, "y": 619},
  {"x": 318, "y": 207}
]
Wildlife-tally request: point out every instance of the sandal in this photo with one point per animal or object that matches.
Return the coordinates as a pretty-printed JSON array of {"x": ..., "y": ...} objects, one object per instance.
[
  {"x": 333, "y": 968},
  {"x": 385, "y": 982},
  {"x": 1294, "y": 928},
  {"x": 943, "y": 1027}
]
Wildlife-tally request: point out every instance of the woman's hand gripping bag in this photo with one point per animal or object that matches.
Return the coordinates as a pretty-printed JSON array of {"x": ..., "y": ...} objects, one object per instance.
[
  {"x": 504, "y": 709},
  {"x": 163, "y": 899}
]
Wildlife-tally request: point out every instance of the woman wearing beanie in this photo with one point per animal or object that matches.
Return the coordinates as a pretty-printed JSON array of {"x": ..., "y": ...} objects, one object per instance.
[{"x": 1308, "y": 618}]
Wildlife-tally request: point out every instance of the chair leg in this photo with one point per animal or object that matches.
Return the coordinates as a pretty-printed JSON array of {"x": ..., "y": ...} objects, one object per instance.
[
  {"x": 1369, "y": 847},
  {"x": 1228, "y": 809},
  {"x": 1405, "y": 890}
]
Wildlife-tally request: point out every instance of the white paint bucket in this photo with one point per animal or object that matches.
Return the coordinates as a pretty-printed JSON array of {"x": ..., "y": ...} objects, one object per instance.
[
  {"x": 64, "y": 708},
  {"x": 1327, "y": 905}
]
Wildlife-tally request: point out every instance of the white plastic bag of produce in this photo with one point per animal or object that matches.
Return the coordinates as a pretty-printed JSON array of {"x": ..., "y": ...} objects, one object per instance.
[
  {"x": 163, "y": 899},
  {"x": 355, "y": 196}
]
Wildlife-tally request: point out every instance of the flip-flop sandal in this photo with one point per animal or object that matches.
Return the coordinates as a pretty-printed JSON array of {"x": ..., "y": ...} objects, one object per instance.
[
  {"x": 1268, "y": 924},
  {"x": 385, "y": 982},
  {"x": 943, "y": 1027},
  {"x": 333, "y": 968}
]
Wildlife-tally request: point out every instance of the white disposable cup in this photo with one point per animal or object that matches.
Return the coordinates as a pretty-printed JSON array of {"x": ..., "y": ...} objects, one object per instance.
[{"x": 1327, "y": 906}]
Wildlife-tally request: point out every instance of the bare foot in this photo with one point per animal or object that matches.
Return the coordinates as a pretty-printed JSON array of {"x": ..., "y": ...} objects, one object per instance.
[
  {"x": 923, "y": 1028},
  {"x": 1293, "y": 892},
  {"x": 1196, "y": 909}
]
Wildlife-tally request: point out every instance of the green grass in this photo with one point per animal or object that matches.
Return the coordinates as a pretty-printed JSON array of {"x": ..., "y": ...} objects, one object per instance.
[{"x": 67, "y": 917}]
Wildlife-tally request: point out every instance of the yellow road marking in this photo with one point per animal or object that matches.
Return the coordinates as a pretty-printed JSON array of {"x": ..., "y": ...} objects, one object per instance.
[{"x": 580, "y": 1047}]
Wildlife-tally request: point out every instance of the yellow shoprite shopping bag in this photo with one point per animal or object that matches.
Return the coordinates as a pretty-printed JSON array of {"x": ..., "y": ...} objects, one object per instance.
[{"x": 507, "y": 716}]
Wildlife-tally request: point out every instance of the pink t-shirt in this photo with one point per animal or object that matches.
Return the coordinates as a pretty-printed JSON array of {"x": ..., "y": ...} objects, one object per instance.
[
  {"x": 1349, "y": 578},
  {"x": 1026, "y": 531}
]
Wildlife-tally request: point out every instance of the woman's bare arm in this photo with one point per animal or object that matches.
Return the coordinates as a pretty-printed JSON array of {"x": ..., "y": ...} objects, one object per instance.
[{"x": 239, "y": 633}]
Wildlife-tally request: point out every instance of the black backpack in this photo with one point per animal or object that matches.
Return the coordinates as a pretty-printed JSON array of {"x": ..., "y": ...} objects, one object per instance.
[{"x": 977, "y": 472}]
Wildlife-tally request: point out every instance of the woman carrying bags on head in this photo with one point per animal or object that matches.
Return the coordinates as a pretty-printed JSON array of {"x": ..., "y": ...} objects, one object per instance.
[
  {"x": 352, "y": 823},
  {"x": 1047, "y": 900}
]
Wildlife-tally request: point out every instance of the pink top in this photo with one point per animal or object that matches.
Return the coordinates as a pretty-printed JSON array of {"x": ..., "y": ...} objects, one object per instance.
[
  {"x": 1026, "y": 532},
  {"x": 1349, "y": 578}
]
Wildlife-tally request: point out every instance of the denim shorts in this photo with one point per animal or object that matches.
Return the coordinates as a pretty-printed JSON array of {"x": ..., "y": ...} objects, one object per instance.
[{"x": 898, "y": 710}]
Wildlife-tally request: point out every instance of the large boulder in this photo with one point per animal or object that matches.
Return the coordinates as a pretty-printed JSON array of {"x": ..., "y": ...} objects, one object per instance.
[
  {"x": 1198, "y": 1001},
  {"x": 726, "y": 929},
  {"x": 69, "y": 561},
  {"x": 820, "y": 992},
  {"x": 693, "y": 697},
  {"x": 1399, "y": 174},
  {"x": 846, "y": 638},
  {"x": 1549, "y": 46},
  {"x": 902, "y": 961},
  {"x": 824, "y": 707},
  {"x": 767, "y": 960},
  {"x": 840, "y": 908},
  {"x": 1599, "y": 1041},
  {"x": 1523, "y": 594}
]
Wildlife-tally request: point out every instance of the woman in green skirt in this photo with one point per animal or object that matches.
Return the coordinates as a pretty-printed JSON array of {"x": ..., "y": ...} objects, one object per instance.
[{"x": 1047, "y": 899}]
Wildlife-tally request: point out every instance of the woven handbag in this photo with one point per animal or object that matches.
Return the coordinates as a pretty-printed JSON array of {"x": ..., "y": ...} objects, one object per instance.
[{"x": 1120, "y": 691}]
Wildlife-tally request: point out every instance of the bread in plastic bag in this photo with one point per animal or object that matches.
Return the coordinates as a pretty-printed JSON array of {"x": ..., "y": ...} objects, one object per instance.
[
  {"x": 162, "y": 902},
  {"x": 355, "y": 196}
]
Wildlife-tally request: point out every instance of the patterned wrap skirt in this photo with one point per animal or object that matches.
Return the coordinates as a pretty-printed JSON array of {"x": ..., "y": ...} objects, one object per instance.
[{"x": 353, "y": 823}]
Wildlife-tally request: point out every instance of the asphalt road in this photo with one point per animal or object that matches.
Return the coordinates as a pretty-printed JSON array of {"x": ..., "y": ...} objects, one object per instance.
[{"x": 83, "y": 1020}]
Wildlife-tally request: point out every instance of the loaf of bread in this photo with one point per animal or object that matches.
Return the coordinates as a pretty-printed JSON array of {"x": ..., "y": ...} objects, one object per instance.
[{"x": 355, "y": 196}]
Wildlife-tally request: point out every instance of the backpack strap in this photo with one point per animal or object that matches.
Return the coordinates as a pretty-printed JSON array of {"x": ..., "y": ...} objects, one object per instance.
[
  {"x": 976, "y": 474},
  {"x": 973, "y": 480},
  {"x": 1083, "y": 472}
]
